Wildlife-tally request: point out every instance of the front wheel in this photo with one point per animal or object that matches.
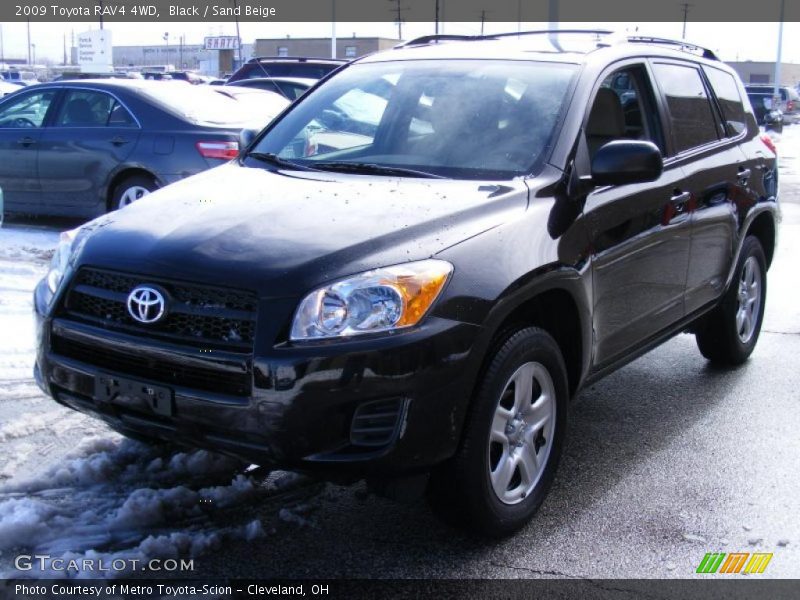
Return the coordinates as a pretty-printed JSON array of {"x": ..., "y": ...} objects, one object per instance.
[
  {"x": 132, "y": 189},
  {"x": 729, "y": 333},
  {"x": 512, "y": 440}
]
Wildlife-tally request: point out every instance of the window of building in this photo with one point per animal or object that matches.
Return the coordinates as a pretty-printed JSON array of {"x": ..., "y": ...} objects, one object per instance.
[
  {"x": 350, "y": 51},
  {"x": 691, "y": 116},
  {"x": 283, "y": 51}
]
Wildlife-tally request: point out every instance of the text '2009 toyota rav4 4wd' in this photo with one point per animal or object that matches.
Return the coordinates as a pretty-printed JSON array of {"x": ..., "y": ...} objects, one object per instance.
[{"x": 414, "y": 268}]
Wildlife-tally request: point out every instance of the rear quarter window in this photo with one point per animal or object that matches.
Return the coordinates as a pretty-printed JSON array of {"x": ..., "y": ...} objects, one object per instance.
[
  {"x": 691, "y": 117},
  {"x": 730, "y": 101}
]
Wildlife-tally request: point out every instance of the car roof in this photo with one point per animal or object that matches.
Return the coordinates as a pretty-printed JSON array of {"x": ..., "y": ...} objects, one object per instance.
[
  {"x": 566, "y": 46},
  {"x": 108, "y": 83},
  {"x": 302, "y": 59},
  {"x": 299, "y": 80}
]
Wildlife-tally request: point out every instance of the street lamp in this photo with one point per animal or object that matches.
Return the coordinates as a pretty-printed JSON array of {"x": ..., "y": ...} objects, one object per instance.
[{"x": 166, "y": 39}]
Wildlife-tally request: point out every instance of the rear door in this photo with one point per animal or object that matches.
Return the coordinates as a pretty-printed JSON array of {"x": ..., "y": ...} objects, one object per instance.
[
  {"x": 716, "y": 176},
  {"x": 639, "y": 233},
  {"x": 22, "y": 119},
  {"x": 91, "y": 134}
]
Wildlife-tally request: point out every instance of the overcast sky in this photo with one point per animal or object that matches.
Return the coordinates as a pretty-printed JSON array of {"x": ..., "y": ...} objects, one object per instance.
[{"x": 731, "y": 41}]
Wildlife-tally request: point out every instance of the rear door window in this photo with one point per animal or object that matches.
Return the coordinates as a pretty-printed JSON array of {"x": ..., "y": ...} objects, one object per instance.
[
  {"x": 89, "y": 108},
  {"x": 730, "y": 101},
  {"x": 690, "y": 113}
]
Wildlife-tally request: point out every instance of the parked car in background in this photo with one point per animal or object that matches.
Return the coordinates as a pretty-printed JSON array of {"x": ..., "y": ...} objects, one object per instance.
[
  {"x": 79, "y": 75},
  {"x": 16, "y": 76},
  {"x": 288, "y": 87},
  {"x": 83, "y": 148},
  {"x": 9, "y": 88},
  {"x": 498, "y": 224},
  {"x": 187, "y": 76},
  {"x": 766, "y": 115},
  {"x": 275, "y": 66},
  {"x": 789, "y": 103}
]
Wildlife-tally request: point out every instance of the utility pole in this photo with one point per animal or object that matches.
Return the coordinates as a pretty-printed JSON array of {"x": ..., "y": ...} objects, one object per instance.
[
  {"x": 333, "y": 28},
  {"x": 2, "y": 49},
  {"x": 100, "y": 2},
  {"x": 29, "y": 41},
  {"x": 166, "y": 39},
  {"x": 775, "y": 91},
  {"x": 238, "y": 37},
  {"x": 65, "y": 48},
  {"x": 483, "y": 20},
  {"x": 436, "y": 31},
  {"x": 685, "y": 6},
  {"x": 399, "y": 20}
]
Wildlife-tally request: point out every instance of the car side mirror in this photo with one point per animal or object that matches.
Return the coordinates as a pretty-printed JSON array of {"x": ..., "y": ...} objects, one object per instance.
[
  {"x": 626, "y": 161},
  {"x": 246, "y": 137}
]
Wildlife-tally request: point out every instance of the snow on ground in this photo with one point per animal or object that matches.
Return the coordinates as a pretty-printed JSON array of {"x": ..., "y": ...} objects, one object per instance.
[{"x": 73, "y": 489}]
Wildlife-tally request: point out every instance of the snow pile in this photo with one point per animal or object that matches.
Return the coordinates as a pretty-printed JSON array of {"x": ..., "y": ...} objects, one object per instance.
[
  {"x": 27, "y": 243},
  {"x": 116, "y": 498}
]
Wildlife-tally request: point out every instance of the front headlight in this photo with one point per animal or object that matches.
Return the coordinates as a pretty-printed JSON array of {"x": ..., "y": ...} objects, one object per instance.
[
  {"x": 58, "y": 265},
  {"x": 380, "y": 300}
]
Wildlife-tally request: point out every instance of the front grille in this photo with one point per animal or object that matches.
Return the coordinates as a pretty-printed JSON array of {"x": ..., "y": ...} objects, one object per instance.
[
  {"x": 197, "y": 314},
  {"x": 377, "y": 422},
  {"x": 229, "y": 381}
]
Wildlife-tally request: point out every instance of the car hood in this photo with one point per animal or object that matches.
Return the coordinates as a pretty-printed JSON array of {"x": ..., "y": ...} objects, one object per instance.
[{"x": 283, "y": 233}]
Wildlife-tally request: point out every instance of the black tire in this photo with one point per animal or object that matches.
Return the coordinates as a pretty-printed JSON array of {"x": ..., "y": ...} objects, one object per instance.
[
  {"x": 718, "y": 336},
  {"x": 134, "y": 182},
  {"x": 461, "y": 490}
]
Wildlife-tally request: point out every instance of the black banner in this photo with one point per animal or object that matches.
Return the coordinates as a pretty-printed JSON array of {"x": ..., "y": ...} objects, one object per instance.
[
  {"x": 512, "y": 11},
  {"x": 717, "y": 588}
]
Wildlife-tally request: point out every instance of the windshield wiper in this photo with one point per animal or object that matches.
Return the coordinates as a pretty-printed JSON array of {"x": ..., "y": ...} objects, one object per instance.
[
  {"x": 354, "y": 167},
  {"x": 277, "y": 161}
]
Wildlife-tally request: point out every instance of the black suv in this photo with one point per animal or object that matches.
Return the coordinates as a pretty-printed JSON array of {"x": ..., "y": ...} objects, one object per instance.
[
  {"x": 412, "y": 271},
  {"x": 278, "y": 66}
]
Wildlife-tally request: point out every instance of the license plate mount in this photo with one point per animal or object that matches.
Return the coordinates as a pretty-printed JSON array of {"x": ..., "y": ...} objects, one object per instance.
[{"x": 118, "y": 390}]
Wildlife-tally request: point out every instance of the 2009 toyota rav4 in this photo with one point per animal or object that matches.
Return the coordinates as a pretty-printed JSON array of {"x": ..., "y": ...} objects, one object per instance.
[{"x": 417, "y": 265}]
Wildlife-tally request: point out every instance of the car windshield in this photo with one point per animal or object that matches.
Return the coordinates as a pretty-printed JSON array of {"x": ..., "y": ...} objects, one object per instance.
[{"x": 470, "y": 119}]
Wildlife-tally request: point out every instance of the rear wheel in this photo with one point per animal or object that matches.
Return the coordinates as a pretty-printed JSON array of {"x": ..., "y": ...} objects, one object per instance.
[
  {"x": 729, "y": 333},
  {"x": 131, "y": 189},
  {"x": 512, "y": 440}
]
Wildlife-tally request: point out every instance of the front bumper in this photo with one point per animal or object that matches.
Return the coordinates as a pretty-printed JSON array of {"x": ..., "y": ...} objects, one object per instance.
[{"x": 304, "y": 404}]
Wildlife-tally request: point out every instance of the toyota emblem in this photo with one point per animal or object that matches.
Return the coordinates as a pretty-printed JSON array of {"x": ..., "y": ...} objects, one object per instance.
[{"x": 146, "y": 304}]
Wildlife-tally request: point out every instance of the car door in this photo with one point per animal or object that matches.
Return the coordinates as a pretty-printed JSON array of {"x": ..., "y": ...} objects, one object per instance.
[
  {"x": 639, "y": 233},
  {"x": 91, "y": 134},
  {"x": 714, "y": 168},
  {"x": 22, "y": 118}
]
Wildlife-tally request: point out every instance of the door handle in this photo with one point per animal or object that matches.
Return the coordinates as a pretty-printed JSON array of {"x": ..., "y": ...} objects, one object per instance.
[
  {"x": 26, "y": 141},
  {"x": 743, "y": 174},
  {"x": 118, "y": 141},
  {"x": 679, "y": 201}
]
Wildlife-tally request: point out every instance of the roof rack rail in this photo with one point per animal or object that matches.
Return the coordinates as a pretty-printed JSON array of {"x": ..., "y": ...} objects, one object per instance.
[
  {"x": 704, "y": 52},
  {"x": 637, "y": 39},
  {"x": 427, "y": 39},
  {"x": 595, "y": 32}
]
